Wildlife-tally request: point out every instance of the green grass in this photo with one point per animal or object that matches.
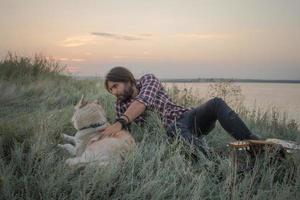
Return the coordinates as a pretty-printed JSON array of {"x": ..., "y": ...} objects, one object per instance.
[{"x": 36, "y": 110}]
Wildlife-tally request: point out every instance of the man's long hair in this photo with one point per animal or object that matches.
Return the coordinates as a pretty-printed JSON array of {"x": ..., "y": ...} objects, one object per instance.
[{"x": 119, "y": 74}]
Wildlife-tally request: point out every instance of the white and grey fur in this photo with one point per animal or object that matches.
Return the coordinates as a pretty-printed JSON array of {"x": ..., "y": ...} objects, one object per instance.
[{"x": 86, "y": 145}]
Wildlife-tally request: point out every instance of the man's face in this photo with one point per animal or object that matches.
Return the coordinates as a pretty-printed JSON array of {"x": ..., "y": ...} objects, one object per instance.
[{"x": 123, "y": 91}]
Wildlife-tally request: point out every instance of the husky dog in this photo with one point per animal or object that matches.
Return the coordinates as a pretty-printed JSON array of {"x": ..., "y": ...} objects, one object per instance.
[{"x": 88, "y": 145}]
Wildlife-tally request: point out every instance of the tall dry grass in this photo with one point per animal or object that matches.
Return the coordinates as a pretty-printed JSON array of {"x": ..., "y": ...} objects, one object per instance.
[{"x": 35, "y": 114}]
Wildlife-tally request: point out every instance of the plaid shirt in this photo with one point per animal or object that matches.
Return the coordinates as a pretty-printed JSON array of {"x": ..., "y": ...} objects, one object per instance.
[{"x": 153, "y": 95}]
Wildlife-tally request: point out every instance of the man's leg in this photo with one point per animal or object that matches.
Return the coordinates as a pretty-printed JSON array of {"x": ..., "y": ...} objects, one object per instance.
[
  {"x": 206, "y": 115},
  {"x": 182, "y": 128}
]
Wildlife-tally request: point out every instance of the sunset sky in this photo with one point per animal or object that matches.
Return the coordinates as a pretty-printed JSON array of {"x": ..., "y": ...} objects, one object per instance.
[{"x": 172, "y": 39}]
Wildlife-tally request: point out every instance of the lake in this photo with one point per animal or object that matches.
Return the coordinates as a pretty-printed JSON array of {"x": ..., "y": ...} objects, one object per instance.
[{"x": 284, "y": 96}]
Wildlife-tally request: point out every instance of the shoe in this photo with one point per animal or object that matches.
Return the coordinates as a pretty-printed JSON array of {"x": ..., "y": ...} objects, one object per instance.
[{"x": 254, "y": 137}]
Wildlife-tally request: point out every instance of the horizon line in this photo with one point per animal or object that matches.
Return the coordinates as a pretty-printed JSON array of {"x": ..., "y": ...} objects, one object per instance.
[{"x": 201, "y": 79}]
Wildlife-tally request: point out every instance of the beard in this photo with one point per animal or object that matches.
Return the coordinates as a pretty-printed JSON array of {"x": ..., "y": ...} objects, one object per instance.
[{"x": 128, "y": 92}]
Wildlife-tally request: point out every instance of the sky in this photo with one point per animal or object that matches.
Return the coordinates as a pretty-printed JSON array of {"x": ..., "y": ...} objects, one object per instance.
[{"x": 257, "y": 39}]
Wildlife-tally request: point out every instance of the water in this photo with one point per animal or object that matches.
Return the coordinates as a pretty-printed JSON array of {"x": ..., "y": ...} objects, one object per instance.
[{"x": 283, "y": 96}]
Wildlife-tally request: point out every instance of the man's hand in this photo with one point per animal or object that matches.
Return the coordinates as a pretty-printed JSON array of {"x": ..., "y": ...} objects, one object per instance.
[{"x": 111, "y": 130}]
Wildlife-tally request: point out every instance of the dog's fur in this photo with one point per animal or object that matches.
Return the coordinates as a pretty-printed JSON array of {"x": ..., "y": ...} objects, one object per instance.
[{"x": 88, "y": 146}]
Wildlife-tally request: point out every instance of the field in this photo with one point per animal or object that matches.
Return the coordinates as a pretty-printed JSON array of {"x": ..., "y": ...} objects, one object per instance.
[{"x": 36, "y": 105}]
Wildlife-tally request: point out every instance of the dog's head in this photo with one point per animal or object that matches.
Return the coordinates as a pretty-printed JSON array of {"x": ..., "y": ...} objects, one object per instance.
[{"x": 87, "y": 114}]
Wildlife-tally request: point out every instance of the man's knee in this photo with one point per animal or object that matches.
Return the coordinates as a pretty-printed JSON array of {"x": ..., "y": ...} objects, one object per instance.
[{"x": 216, "y": 101}]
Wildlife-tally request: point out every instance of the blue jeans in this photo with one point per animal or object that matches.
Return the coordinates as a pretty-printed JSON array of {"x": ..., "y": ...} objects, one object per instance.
[{"x": 193, "y": 125}]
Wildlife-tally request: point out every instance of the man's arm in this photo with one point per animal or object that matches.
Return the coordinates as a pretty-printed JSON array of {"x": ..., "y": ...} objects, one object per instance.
[{"x": 135, "y": 109}]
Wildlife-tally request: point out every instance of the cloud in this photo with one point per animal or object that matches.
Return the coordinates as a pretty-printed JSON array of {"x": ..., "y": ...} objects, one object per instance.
[
  {"x": 138, "y": 57},
  {"x": 81, "y": 40},
  {"x": 72, "y": 69},
  {"x": 62, "y": 59},
  {"x": 207, "y": 35},
  {"x": 117, "y": 36},
  {"x": 146, "y": 35},
  {"x": 76, "y": 41},
  {"x": 77, "y": 59},
  {"x": 221, "y": 36},
  {"x": 119, "y": 57}
]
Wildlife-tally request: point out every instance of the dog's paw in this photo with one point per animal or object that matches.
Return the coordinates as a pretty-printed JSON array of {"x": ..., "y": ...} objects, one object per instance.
[
  {"x": 71, "y": 162},
  {"x": 65, "y": 136}
]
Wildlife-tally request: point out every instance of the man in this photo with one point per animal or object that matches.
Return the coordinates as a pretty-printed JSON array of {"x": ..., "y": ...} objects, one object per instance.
[{"x": 134, "y": 97}]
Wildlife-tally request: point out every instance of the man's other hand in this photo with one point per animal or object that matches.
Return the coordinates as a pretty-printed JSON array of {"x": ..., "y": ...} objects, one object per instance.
[{"x": 111, "y": 130}]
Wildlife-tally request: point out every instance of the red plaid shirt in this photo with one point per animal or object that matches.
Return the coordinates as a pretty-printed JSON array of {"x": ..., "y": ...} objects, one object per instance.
[{"x": 153, "y": 95}]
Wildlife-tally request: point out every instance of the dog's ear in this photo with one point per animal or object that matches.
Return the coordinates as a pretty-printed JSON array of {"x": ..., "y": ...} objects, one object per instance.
[
  {"x": 81, "y": 100},
  {"x": 81, "y": 103}
]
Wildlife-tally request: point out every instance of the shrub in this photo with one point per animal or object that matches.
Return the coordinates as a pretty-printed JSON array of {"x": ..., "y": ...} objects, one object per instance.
[{"x": 21, "y": 68}]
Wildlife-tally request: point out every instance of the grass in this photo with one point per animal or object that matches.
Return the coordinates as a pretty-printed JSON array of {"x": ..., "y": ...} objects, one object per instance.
[{"x": 36, "y": 110}]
